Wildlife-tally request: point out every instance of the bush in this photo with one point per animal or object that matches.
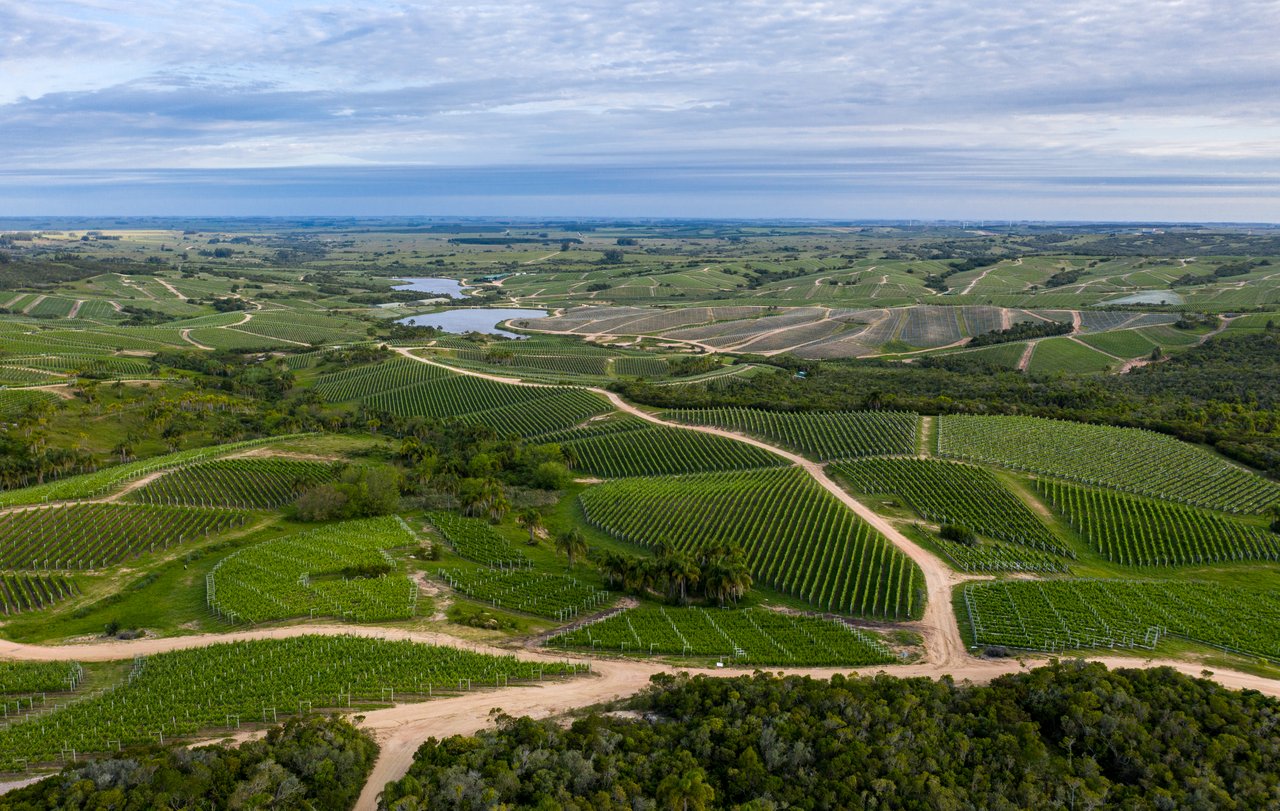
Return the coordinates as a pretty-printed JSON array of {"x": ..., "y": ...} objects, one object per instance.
[{"x": 958, "y": 533}]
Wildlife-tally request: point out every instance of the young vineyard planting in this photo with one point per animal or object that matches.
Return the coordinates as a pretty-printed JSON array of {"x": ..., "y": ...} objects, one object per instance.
[
  {"x": 475, "y": 540},
  {"x": 340, "y": 570},
  {"x": 951, "y": 493},
  {"x": 257, "y": 483},
  {"x": 90, "y": 536},
  {"x": 748, "y": 636},
  {"x": 1058, "y": 615},
  {"x": 998, "y": 557},
  {"x": 558, "y": 596},
  {"x": 228, "y": 686},
  {"x": 634, "y": 447},
  {"x": 797, "y": 537},
  {"x": 27, "y": 592},
  {"x": 1143, "y": 532},
  {"x": 831, "y": 435},
  {"x": 1128, "y": 459}
]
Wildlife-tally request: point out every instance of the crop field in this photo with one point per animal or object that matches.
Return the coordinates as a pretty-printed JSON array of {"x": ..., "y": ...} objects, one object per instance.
[
  {"x": 952, "y": 493},
  {"x": 634, "y": 447},
  {"x": 235, "y": 340},
  {"x": 474, "y": 539},
  {"x": 747, "y": 636},
  {"x": 524, "y": 410},
  {"x": 95, "y": 365},
  {"x": 15, "y": 403},
  {"x": 89, "y": 485},
  {"x": 999, "y": 557},
  {"x": 1065, "y": 355},
  {"x": 1123, "y": 343},
  {"x": 557, "y": 596},
  {"x": 39, "y": 677},
  {"x": 640, "y": 367},
  {"x": 588, "y": 365},
  {"x": 1143, "y": 532},
  {"x": 823, "y": 436},
  {"x": 175, "y": 695},
  {"x": 90, "y": 536},
  {"x": 1058, "y": 615},
  {"x": 796, "y": 536},
  {"x": 365, "y": 381},
  {"x": 339, "y": 570},
  {"x": 258, "y": 483},
  {"x": 28, "y": 592},
  {"x": 1127, "y": 459}
]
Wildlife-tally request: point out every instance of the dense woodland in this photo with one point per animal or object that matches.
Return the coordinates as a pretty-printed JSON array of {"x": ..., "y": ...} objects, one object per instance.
[
  {"x": 1067, "y": 736},
  {"x": 310, "y": 763}
]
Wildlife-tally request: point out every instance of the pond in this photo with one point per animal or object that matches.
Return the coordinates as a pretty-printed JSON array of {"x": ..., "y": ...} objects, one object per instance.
[
  {"x": 439, "y": 287},
  {"x": 1150, "y": 297},
  {"x": 473, "y": 319}
]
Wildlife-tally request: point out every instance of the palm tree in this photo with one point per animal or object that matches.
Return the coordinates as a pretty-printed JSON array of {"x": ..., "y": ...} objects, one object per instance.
[
  {"x": 572, "y": 544},
  {"x": 682, "y": 572},
  {"x": 739, "y": 578},
  {"x": 530, "y": 519}
]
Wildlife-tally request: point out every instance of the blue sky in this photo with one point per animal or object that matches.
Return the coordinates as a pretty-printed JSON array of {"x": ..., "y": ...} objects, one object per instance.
[{"x": 1023, "y": 110}]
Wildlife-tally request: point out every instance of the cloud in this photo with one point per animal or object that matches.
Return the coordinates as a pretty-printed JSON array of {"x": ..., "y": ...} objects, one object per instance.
[{"x": 1081, "y": 87}]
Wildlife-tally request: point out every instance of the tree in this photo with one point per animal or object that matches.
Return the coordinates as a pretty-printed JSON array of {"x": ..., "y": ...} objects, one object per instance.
[
  {"x": 681, "y": 571},
  {"x": 612, "y": 256},
  {"x": 531, "y": 519},
  {"x": 686, "y": 791},
  {"x": 572, "y": 544}
]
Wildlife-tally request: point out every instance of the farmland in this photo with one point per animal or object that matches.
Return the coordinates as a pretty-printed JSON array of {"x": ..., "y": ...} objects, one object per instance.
[
  {"x": 796, "y": 537},
  {"x": 749, "y": 636},
  {"x": 750, "y": 445},
  {"x": 1126, "y": 459}
]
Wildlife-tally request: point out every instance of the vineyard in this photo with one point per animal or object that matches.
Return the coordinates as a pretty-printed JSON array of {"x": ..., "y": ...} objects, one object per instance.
[
  {"x": 39, "y": 677},
  {"x": 90, "y": 536},
  {"x": 1127, "y": 459},
  {"x": 748, "y": 636},
  {"x": 797, "y": 537},
  {"x": 832, "y": 435},
  {"x": 226, "y": 686},
  {"x": 366, "y": 381},
  {"x": 630, "y": 446},
  {"x": 475, "y": 540},
  {"x": 256, "y": 483},
  {"x": 340, "y": 570},
  {"x": 28, "y": 592},
  {"x": 1058, "y": 615},
  {"x": 89, "y": 485},
  {"x": 1142, "y": 532},
  {"x": 997, "y": 557},
  {"x": 950, "y": 493},
  {"x": 558, "y": 596}
]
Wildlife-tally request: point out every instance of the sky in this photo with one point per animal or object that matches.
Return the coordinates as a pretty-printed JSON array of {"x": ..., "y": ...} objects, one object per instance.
[{"x": 1074, "y": 109}]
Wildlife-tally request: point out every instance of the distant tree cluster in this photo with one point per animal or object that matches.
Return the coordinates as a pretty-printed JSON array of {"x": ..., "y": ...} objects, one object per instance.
[{"x": 1022, "y": 331}]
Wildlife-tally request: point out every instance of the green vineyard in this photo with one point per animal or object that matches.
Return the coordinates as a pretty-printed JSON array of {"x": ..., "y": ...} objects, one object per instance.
[
  {"x": 222, "y": 687},
  {"x": 475, "y": 540},
  {"x": 797, "y": 537},
  {"x": 90, "y": 536},
  {"x": 558, "y": 596},
  {"x": 27, "y": 592},
  {"x": 748, "y": 636},
  {"x": 950, "y": 493},
  {"x": 108, "y": 479},
  {"x": 997, "y": 557},
  {"x": 1128, "y": 459},
  {"x": 366, "y": 381},
  {"x": 257, "y": 483},
  {"x": 1143, "y": 532},
  {"x": 630, "y": 446},
  {"x": 831, "y": 435},
  {"x": 340, "y": 570},
  {"x": 39, "y": 677},
  {"x": 1058, "y": 615}
]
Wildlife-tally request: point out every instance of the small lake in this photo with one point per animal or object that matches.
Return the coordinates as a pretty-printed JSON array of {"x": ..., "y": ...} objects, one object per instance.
[
  {"x": 472, "y": 319},
  {"x": 439, "y": 287},
  {"x": 1150, "y": 297}
]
